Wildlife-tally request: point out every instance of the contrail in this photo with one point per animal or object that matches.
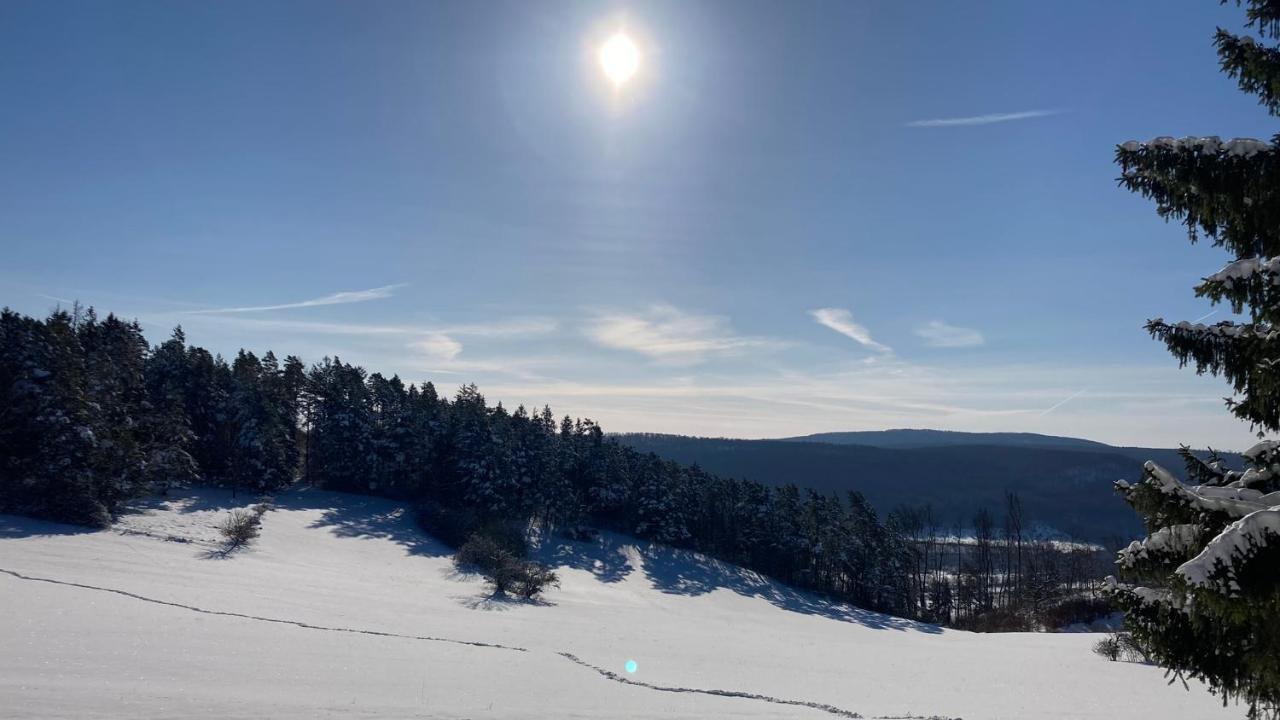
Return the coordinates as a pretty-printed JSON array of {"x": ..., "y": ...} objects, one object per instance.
[
  {"x": 982, "y": 119},
  {"x": 1060, "y": 403},
  {"x": 1206, "y": 316}
]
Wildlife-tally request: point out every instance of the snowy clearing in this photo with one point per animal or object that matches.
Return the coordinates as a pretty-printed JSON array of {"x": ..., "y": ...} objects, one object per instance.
[{"x": 342, "y": 608}]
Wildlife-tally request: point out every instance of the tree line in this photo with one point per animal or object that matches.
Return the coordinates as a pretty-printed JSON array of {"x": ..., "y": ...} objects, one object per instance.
[{"x": 91, "y": 416}]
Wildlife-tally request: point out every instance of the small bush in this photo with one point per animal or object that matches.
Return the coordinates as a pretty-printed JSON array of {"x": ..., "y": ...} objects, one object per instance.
[
  {"x": 481, "y": 553},
  {"x": 240, "y": 527},
  {"x": 1108, "y": 647},
  {"x": 533, "y": 579},
  {"x": 507, "y": 572},
  {"x": 1120, "y": 646},
  {"x": 1129, "y": 649}
]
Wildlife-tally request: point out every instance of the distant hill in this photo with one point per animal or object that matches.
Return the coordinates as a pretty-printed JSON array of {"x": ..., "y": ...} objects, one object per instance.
[
  {"x": 1064, "y": 483},
  {"x": 904, "y": 438}
]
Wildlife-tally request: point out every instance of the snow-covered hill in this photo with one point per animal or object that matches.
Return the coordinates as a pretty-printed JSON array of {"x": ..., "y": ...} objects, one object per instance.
[{"x": 344, "y": 609}]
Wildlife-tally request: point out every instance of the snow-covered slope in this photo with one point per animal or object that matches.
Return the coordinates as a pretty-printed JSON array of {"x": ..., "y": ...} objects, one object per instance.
[{"x": 343, "y": 609}]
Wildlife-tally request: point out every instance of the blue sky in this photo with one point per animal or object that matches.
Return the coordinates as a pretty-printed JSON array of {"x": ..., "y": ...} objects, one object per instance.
[{"x": 765, "y": 233}]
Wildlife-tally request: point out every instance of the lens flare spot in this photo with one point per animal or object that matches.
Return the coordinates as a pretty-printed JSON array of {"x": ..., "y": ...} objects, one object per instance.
[{"x": 632, "y": 666}]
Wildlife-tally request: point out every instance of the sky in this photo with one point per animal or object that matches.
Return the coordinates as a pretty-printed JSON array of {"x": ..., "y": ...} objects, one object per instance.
[{"x": 797, "y": 217}]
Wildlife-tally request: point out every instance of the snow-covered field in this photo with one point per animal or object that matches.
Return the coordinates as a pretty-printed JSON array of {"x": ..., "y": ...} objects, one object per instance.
[{"x": 343, "y": 609}]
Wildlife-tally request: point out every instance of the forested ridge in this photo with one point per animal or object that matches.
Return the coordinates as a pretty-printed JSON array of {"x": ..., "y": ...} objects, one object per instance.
[
  {"x": 1065, "y": 489},
  {"x": 92, "y": 416}
]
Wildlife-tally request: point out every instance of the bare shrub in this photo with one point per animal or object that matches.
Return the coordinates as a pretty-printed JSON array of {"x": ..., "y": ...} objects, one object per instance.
[
  {"x": 533, "y": 579},
  {"x": 240, "y": 527},
  {"x": 1120, "y": 646},
  {"x": 1108, "y": 647}
]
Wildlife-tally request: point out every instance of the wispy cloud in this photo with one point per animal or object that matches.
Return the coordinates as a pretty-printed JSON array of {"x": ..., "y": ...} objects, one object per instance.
[
  {"x": 983, "y": 119},
  {"x": 516, "y": 327},
  {"x": 339, "y": 298},
  {"x": 842, "y": 322},
  {"x": 671, "y": 335},
  {"x": 437, "y": 345},
  {"x": 939, "y": 334}
]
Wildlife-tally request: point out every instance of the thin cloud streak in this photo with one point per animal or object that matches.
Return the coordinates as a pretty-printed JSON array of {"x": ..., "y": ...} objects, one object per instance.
[
  {"x": 339, "y": 298},
  {"x": 982, "y": 119},
  {"x": 670, "y": 335},
  {"x": 941, "y": 335},
  {"x": 842, "y": 322},
  {"x": 521, "y": 327}
]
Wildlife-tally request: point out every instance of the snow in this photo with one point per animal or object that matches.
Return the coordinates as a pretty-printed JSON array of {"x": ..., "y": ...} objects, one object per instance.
[
  {"x": 1246, "y": 268},
  {"x": 1238, "y": 541},
  {"x": 1235, "y": 501},
  {"x": 343, "y": 608},
  {"x": 1261, "y": 448},
  {"x": 1172, "y": 539},
  {"x": 1209, "y": 145}
]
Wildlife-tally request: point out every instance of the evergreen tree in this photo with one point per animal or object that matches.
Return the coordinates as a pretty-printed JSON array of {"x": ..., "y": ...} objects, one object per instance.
[
  {"x": 341, "y": 445},
  {"x": 114, "y": 355},
  {"x": 207, "y": 397},
  {"x": 46, "y": 438},
  {"x": 166, "y": 429},
  {"x": 1203, "y": 589},
  {"x": 266, "y": 452}
]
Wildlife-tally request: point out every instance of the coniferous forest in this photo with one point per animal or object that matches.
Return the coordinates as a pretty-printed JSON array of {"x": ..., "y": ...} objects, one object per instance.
[{"x": 92, "y": 416}]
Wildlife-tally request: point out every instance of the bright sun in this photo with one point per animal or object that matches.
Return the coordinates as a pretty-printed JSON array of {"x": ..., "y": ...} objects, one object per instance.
[{"x": 619, "y": 58}]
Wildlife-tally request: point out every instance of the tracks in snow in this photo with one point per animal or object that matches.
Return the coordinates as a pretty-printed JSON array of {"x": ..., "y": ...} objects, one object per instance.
[
  {"x": 608, "y": 674},
  {"x": 832, "y": 709},
  {"x": 259, "y": 618},
  {"x": 721, "y": 693}
]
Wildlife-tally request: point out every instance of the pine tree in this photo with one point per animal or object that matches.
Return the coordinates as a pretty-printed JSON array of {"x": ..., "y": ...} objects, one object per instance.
[
  {"x": 341, "y": 446},
  {"x": 1202, "y": 591},
  {"x": 114, "y": 353},
  {"x": 165, "y": 427},
  {"x": 46, "y": 438},
  {"x": 265, "y": 456}
]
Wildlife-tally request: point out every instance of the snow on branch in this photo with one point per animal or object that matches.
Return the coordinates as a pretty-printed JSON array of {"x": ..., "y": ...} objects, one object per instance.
[
  {"x": 1215, "y": 566},
  {"x": 1245, "y": 269},
  {"x": 1170, "y": 540},
  {"x": 1208, "y": 145},
  {"x": 1234, "y": 501}
]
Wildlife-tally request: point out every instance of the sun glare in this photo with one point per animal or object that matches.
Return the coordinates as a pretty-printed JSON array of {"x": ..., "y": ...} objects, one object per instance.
[{"x": 619, "y": 58}]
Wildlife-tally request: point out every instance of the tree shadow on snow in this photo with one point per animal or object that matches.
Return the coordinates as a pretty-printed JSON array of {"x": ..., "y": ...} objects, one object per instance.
[
  {"x": 190, "y": 500},
  {"x": 14, "y": 526},
  {"x": 501, "y": 603},
  {"x": 602, "y": 557},
  {"x": 362, "y": 516},
  {"x": 683, "y": 572}
]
